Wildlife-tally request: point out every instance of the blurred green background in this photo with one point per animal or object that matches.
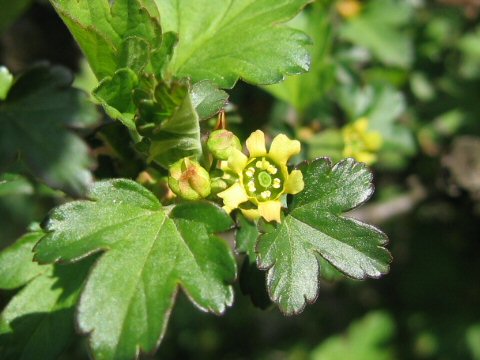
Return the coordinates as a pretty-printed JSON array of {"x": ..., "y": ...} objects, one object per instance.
[{"x": 412, "y": 68}]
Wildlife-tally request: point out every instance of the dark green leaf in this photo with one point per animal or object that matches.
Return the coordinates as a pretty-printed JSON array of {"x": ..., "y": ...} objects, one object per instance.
[
  {"x": 223, "y": 41},
  {"x": 38, "y": 323},
  {"x": 16, "y": 262},
  {"x": 34, "y": 123},
  {"x": 315, "y": 227},
  {"x": 11, "y": 10},
  {"x": 246, "y": 237},
  {"x": 213, "y": 217},
  {"x": 207, "y": 99},
  {"x": 130, "y": 292}
]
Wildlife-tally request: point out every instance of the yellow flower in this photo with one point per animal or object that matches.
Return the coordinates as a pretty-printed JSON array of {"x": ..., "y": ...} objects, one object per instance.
[
  {"x": 360, "y": 143},
  {"x": 262, "y": 177},
  {"x": 349, "y": 8}
]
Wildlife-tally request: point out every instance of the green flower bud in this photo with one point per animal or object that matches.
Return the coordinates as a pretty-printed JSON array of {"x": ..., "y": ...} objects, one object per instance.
[
  {"x": 222, "y": 142},
  {"x": 218, "y": 184},
  {"x": 189, "y": 180}
]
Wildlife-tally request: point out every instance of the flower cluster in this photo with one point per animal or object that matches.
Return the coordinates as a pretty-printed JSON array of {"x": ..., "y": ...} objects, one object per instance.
[
  {"x": 360, "y": 143},
  {"x": 262, "y": 177}
]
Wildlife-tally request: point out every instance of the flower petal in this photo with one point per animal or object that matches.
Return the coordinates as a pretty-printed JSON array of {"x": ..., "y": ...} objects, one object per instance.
[
  {"x": 270, "y": 210},
  {"x": 294, "y": 183},
  {"x": 233, "y": 196},
  {"x": 237, "y": 161},
  {"x": 252, "y": 214},
  {"x": 373, "y": 140},
  {"x": 366, "y": 157},
  {"x": 283, "y": 148},
  {"x": 361, "y": 125},
  {"x": 256, "y": 144}
]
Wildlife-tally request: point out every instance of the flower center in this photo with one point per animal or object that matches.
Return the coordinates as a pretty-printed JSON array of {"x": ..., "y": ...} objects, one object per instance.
[{"x": 263, "y": 179}]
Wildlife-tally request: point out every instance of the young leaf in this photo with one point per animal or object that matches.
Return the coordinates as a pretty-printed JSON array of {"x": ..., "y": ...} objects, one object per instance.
[
  {"x": 16, "y": 262},
  {"x": 315, "y": 227},
  {"x": 38, "y": 323},
  {"x": 223, "y": 41},
  {"x": 34, "y": 123},
  {"x": 207, "y": 99},
  {"x": 101, "y": 28},
  {"x": 129, "y": 295},
  {"x": 115, "y": 95},
  {"x": 178, "y": 135}
]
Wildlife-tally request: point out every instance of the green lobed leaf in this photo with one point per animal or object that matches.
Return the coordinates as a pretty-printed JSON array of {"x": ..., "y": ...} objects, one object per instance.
[
  {"x": 148, "y": 254},
  {"x": 38, "y": 323},
  {"x": 223, "y": 41},
  {"x": 16, "y": 262},
  {"x": 34, "y": 125},
  {"x": 315, "y": 227},
  {"x": 101, "y": 28}
]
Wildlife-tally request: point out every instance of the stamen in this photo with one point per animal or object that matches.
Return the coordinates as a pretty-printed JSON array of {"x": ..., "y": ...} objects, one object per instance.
[
  {"x": 276, "y": 183},
  {"x": 251, "y": 186},
  {"x": 272, "y": 169},
  {"x": 250, "y": 172},
  {"x": 258, "y": 164},
  {"x": 266, "y": 194}
]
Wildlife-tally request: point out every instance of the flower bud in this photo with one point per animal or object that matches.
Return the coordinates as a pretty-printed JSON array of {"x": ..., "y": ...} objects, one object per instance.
[
  {"x": 221, "y": 143},
  {"x": 189, "y": 180}
]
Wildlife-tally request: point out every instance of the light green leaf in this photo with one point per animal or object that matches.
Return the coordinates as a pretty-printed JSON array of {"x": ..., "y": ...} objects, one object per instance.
[
  {"x": 365, "y": 339},
  {"x": 101, "y": 26},
  {"x": 379, "y": 29},
  {"x": 16, "y": 262},
  {"x": 223, "y": 41},
  {"x": 6, "y": 81},
  {"x": 301, "y": 91},
  {"x": 207, "y": 99},
  {"x": 129, "y": 295},
  {"x": 315, "y": 227},
  {"x": 34, "y": 122},
  {"x": 38, "y": 323},
  {"x": 14, "y": 184}
]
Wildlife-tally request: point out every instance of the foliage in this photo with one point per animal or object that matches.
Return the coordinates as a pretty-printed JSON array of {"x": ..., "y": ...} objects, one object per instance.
[{"x": 168, "y": 197}]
